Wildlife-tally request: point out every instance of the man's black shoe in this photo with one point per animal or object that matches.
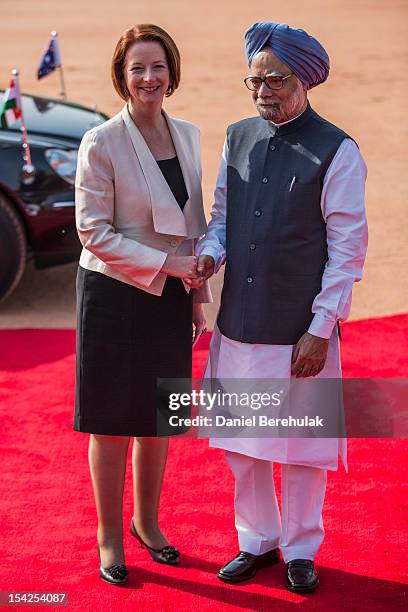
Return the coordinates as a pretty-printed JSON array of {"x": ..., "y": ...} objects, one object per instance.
[
  {"x": 301, "y": 576},
  {"x": 245, "y": 565}
]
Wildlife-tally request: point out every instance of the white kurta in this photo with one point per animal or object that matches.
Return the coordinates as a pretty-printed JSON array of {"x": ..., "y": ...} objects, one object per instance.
[{"x": 342, "y": 205}]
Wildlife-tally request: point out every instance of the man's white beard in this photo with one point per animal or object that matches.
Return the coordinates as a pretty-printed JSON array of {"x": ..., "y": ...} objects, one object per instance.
[
  {"x": 272, "y": 113},
  {"x": 278, "y": 113}
]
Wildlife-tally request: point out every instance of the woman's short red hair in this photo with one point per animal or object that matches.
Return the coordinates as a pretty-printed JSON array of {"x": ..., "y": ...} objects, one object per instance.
[{"x": 144, "y": 32}]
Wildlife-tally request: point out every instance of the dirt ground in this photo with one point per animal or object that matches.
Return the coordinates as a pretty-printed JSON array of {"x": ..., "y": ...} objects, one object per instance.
[{"x": 366, "y": 95}]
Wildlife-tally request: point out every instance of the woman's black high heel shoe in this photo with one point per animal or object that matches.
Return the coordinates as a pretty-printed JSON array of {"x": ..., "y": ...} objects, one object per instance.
[
  {"x": 115, "y": 574},
  {"x": 168, "y": 554}
]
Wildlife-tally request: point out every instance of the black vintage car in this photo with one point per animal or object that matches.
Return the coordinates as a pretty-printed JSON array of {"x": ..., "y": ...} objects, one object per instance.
[{"x": 37, "y": 215}]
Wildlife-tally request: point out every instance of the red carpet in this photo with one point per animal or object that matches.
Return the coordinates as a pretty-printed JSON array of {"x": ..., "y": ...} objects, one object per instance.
[{"x": 48, "y": 522}]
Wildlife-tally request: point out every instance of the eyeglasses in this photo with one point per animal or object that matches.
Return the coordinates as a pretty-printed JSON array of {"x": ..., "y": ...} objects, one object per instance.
[{"x": 272, "y": 82}]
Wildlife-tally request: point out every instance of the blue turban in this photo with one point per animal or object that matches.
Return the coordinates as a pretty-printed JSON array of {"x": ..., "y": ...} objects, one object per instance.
[{"x": 302, "y": 53}]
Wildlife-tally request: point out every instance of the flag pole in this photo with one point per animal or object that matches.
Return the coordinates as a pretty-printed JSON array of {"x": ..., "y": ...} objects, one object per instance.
[
  {"x": 63, "y": 92},
  {"x": 28, "y": 170}
]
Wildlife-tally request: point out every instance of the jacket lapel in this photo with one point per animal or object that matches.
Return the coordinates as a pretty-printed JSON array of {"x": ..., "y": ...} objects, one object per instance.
[
  {"x": 193, "y": 209},
  {"x": 168, "y": 218}
]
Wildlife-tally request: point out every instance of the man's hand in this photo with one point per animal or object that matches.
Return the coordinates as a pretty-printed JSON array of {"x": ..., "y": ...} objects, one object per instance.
[
  {"x": 309, "y": 356},
  {"x": 205, "y": 266}
]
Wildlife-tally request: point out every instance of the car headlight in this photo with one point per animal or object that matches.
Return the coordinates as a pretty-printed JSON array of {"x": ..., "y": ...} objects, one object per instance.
[{"x": 63, "y": 162}]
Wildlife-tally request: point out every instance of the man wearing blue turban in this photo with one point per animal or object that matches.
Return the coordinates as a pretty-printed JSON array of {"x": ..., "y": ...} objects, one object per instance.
[
  {"x": 301, "y": 53},
  {"x": 289, "y": 222}
]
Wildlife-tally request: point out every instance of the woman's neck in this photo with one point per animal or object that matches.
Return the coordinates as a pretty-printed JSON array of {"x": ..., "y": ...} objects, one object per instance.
[{"x": 150, "y": 118}]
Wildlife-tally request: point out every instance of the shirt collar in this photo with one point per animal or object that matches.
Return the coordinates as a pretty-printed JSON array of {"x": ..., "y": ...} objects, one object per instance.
[{"x": 280, "y": 129}]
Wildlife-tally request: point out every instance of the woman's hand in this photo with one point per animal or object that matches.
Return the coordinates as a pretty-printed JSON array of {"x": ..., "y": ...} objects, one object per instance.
[
  {"x": 199, "y": 327},
  {"x": 205, "y": 269},
  {"x": 195, "y": 283},
  {"x": 181, "y": 266}
]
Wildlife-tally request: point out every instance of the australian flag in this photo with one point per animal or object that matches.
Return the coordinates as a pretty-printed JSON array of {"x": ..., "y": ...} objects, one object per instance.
[{"x": 50, "y": 60}]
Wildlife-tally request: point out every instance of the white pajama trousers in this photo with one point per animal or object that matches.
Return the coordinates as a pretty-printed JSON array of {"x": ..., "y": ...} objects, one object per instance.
[{"x": 299, "y": 533}]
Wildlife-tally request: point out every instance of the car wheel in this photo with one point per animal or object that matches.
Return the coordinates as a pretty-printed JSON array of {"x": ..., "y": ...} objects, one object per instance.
[{"x": 13, "y": 248}]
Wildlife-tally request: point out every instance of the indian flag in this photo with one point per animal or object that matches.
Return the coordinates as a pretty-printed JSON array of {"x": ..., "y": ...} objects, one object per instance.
[{"x": 11, "y": 108}]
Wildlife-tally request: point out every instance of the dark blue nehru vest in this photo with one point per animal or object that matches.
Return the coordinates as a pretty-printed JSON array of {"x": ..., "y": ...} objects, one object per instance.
[{"x": 276, "y": 235}]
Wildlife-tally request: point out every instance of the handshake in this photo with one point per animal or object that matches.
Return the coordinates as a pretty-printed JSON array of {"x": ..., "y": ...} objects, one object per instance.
[{"x": 193, "y": 270}]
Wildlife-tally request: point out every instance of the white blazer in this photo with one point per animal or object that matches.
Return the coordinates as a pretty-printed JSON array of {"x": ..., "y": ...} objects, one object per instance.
[{"x": 127, "y": 218}]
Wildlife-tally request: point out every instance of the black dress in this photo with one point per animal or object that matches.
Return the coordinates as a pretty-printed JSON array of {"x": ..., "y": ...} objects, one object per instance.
[{"x": 126, "y": 340}]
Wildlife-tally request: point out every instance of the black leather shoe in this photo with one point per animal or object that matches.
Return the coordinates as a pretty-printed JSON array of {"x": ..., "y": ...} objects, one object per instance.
[
  {"x": 245, "y": 565},
  {"x": 115, "y": 574},
  {"x": 301, "y": 576},
  {"x": 168, "y": 554}
]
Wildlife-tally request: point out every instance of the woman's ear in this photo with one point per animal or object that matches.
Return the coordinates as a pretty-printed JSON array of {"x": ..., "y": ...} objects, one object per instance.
[{"x": 124, "y": 88}]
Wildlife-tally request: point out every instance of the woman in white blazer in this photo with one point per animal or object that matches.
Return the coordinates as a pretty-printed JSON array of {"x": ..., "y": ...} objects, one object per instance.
[{"x": 139, "y": 212}]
